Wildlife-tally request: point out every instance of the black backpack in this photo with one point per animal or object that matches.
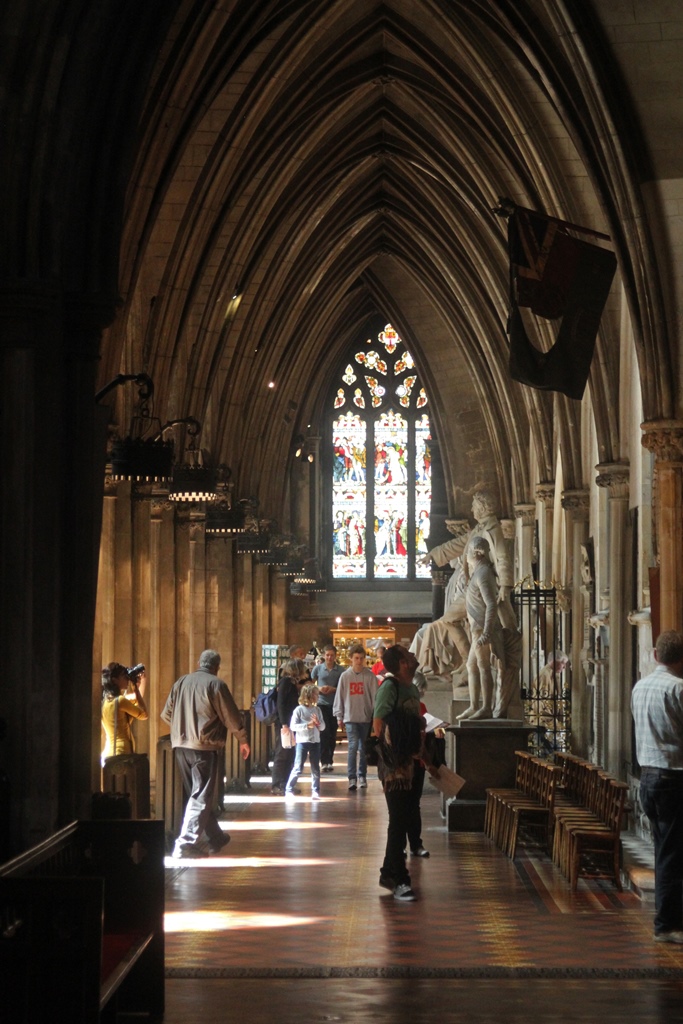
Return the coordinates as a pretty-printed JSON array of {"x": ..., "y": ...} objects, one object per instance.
[{"x": 265, "y": 706}]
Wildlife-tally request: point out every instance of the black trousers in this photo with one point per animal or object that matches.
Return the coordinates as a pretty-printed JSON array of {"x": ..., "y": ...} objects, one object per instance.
[
  {"x": 328, "y": 737},
  {"x": 405, "y": 824},
  {"x": 283, "y": 761},
  {"x": 661, "y": 794}
]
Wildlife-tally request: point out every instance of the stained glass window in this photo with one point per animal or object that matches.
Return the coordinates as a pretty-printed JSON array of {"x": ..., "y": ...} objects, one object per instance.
[
  {"x": 382, "y": 474},
  {"x": 349, "y": 497}
]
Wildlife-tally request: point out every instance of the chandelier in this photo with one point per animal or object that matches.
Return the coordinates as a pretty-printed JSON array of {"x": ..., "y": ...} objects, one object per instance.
[{"x": 138, "y": 457}]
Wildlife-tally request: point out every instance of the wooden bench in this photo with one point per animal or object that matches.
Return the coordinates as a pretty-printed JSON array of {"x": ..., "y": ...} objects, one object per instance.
[{"x": 82, "y": 925}]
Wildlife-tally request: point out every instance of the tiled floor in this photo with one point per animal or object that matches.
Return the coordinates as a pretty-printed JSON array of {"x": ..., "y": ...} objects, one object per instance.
[{"x": 291, "y": 924}]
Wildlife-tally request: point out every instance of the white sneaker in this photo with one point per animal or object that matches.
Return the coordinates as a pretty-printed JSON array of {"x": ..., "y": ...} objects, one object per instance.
[
  {"x": 362, "y": 783},
  {"x": 404, "y": 893},
  {"x": 315, "y": 796}
]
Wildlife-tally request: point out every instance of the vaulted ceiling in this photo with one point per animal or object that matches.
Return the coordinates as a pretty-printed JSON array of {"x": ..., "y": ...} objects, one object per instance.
[{"x": 303, "y": 167}]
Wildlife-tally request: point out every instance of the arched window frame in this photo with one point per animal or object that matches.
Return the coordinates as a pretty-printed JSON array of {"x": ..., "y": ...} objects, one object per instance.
[{"x": 412, "y": 414}]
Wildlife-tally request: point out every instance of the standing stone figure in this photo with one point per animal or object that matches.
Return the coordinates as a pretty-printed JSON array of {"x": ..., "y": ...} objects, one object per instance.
[
  {"x": 481, "y": 598},
  {"x": 440, "y": 645}
]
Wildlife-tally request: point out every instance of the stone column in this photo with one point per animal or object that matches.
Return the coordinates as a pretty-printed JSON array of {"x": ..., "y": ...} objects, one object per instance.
[
  {"x": 615, "y": 477},
  {"x": 526, "y": 518},
  {"x": 545, "y": 495},
  {"x": 576, "y": 504},
  {"x": 161, "y": 671},
  {"x": 197, "y": 588},
  {"x": 665, "y": 439}
]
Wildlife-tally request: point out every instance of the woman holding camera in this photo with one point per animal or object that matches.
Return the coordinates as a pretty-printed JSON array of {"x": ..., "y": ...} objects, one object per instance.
[{"x": 122, "y": 701}]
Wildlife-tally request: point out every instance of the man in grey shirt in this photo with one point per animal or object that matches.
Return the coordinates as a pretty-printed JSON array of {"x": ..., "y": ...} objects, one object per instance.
[
  {"x": 327, "y": 676},
  {"x": 657, "y": 705},
  {"x": 201, "y": 711}
]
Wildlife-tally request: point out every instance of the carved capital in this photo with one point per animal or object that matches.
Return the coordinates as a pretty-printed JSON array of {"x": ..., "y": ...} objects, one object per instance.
[
  {"x": 527, "y": 513},
  {"x": 600, "y": 620},
  {"x": 577, "y": 504},
  {"x": 458, "y": 527},
  {"x": 664, "y": 438},
  {"x": 508, "y": 528},
  {"x": 142, "y": 492},
  {"x": 615, "y": 476},
  {"x": 197, "y": 529},
  {"x": 640, "y": 617},
  {"x": 111, "y": 486},
  {"x": 161, "y": 505},
  {"x": 545, "y": 492}
]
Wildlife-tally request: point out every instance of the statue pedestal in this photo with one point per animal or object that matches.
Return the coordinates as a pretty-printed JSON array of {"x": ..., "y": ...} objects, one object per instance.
[{"x": 483, "y": 752}]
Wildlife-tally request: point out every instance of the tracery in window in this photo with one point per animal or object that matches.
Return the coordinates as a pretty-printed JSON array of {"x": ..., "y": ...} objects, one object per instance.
[{"x": 382, "y": 474}]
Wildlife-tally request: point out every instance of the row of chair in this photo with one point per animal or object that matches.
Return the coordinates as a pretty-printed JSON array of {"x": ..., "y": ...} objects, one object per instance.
[
  {"x": 588, "y": 818},
  {"x": 530, "y": 802},
  {"x": 577, "y": 807}
]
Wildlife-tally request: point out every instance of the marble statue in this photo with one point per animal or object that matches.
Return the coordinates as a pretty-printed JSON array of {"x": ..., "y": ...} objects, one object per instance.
[
  {"x": 481, "y": 600},
  {"x": 441, "y": 646}
]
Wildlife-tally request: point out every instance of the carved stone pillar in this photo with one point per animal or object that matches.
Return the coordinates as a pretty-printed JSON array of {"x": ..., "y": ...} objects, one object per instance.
[
  {"x": 545, "y": 495},
  {"x": 161, "y": 671},
  {"x": 197, "y": 588},
  {"x": 576, "y": 504},
  {"x": 665, "y": 439},
  {"x": 104, "y": 645},
  {"x": 526, "y": 518},
  {"x": 615, "y": 477},
  {"x": 50, "y": 516}
]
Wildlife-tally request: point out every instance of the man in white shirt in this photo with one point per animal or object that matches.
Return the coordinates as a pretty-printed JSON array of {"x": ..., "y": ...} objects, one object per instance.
[
  {"x": 353, "y": 705},
  {"x": 657, "y": 705}
]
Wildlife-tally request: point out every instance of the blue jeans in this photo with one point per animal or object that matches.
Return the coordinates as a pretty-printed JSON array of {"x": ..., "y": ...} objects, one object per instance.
[
  {"x": 356, "y": 734},
  {"x": 661, "y": 793},
  {"x": 313, "y": 751}
]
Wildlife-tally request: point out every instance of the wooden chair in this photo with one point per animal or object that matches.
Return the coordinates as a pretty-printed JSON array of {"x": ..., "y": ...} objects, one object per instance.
[
  {"x": 495, "y": 798},
  {"x": 533, "y": 810},
  {"x": 599, "y": 842}
]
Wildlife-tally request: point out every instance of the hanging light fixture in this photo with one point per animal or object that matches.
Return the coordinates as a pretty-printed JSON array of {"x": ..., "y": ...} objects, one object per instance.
[
  {"x": 308, "y": 574},
  {"x": 256, "y": 538},
  {"x": 253, "y": 543},
  {"x": 194, "y": 480},
  {"x": 221, "y": 519},
  {"x": 193, "y": 483},
  {"x": 309, "y": 579},
  {"x": 277, "y": 555},
  {"x": 137, "y": 457}
]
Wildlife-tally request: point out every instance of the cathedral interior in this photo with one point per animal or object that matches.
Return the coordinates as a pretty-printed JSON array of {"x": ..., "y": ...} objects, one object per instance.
[{"x": 214, "y": 206}]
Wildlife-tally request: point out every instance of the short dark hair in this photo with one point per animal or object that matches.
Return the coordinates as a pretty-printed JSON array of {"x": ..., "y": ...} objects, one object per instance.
[
  {"x": 392, "y": 658},
  {"x": 330, "y": 647},
  {"x": 669, "y": 647},
  {"x": 356, "y": 649}
]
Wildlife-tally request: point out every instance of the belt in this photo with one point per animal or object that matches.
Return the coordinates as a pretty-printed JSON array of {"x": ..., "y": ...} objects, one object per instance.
[{"x": 663, "y": 773}]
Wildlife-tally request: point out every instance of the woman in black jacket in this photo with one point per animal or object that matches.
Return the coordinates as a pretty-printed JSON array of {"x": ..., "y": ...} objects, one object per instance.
[{"x": 293, "y": 673}]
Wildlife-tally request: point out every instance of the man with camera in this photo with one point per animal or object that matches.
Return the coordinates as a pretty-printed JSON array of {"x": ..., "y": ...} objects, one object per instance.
[{"x": 201, "y": 711}]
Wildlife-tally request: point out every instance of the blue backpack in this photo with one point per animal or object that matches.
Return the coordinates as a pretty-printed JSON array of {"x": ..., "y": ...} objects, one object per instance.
[{"x": 265, "y": 706}]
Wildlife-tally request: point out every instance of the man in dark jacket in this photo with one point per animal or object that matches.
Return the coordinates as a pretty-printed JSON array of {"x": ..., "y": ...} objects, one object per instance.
[{"x": 201, "y": 711}]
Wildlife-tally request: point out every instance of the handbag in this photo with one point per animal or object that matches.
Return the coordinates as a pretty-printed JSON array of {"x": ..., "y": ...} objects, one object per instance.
[
  {"x": 371, "y": 745},
  {"x": 286, "y": 739}
]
